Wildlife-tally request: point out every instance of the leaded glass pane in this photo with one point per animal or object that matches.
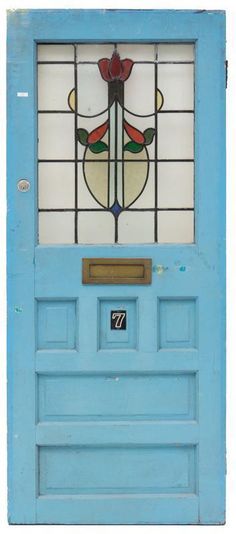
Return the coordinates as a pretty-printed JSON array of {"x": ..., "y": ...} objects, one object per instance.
[{"x": 116, "y": 143}]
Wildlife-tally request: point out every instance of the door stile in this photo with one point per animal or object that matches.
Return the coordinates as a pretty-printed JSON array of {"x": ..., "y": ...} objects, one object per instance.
[
  {"x": 210, "y": 224},
  {"x": 22, "y": 479}
]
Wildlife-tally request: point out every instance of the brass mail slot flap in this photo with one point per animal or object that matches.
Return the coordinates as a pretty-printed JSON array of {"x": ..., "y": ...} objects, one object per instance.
[{"x": 117, "y": 271}]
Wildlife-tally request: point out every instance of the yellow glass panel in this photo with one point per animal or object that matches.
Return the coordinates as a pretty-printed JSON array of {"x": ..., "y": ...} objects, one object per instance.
[
  {"x": 96, "y": 176},
  {"x": 135, "y": 175},
  {"x": 71, "y": 100}
]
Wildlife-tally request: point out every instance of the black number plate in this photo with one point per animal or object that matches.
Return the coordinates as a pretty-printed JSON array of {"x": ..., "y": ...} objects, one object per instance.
[{"x": 118, "y": 320}]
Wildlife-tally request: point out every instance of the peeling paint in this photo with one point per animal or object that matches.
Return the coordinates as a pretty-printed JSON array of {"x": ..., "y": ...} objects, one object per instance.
[
  {"x": 115, "y": 378},
  {"x": 18, "y": 309},
  {"x": 160, "y": 269}
]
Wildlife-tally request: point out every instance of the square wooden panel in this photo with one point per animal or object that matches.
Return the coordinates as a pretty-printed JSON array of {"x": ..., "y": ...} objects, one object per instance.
[
  {"x": 117, "y": 338},
  {"x": 178, "y": 323},
  {"x": 56, "y": 324},
  {"x": 117, "y": 271}
]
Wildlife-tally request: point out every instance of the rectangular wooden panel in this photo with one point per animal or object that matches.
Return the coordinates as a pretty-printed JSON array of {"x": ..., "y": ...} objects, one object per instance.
[
  {"x": 117, "y": 271},
  {"x": 117, "y": 470},
  {"x": 76, "y": 397}
]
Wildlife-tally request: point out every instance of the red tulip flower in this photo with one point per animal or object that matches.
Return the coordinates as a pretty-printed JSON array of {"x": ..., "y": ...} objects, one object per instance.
[
  {"x": 134, "y": 134},
  {"x": 115, "y": 68},
  {"x": 98, "y": 133}
]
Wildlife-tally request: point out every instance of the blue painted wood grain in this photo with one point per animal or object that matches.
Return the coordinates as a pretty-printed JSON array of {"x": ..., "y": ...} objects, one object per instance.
[{"x": 54, "y": 274}]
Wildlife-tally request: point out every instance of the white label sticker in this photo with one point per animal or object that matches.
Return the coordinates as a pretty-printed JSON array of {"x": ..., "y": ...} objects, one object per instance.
[{"x": 23, "y": 94}]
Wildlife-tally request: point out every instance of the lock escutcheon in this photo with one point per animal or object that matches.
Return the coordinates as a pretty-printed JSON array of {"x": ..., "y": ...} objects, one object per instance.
[{"x": 23, "y": 185}]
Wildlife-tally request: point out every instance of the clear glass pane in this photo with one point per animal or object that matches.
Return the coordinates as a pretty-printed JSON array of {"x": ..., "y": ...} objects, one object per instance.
[
  {"x": 175, "y": 227},
  {"x": 136, "y": 227},
  {"x": 93, "y": 52},
  {"x": 56, "y": 136},
  {"x": 175, "y": 52},
  {"x": 54, "y": 84},
  {"x": 56, "y": 185},
  {"x": 175, "y": 136},
  {"x": 175, "y": 185},
  {"x": 116, "y": 133},
  {"x": 56, "y": 228},
  {"x": 176, "y": 83},
  {"x": 92, "y": 91},
  {"x": 139, "y": 94},
  {"x": 58, "y": 52},
  {"x": 137, "y": 52},
  {"x": 96, "y": 227}
]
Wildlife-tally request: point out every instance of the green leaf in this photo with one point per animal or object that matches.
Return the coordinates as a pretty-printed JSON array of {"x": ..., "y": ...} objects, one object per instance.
[
  {"x": 134, "y": 147},
  {"x": 82, "y": 136},
  {"x": 149, "y": 134},
  {"x": 98, "y": 147}
]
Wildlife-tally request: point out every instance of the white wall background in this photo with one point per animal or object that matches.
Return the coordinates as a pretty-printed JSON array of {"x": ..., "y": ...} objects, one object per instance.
[{"x": 230, "y": 7}]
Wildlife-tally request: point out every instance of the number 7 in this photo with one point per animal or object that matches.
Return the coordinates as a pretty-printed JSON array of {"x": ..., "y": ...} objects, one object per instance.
[{"x": 119, "y": 319}]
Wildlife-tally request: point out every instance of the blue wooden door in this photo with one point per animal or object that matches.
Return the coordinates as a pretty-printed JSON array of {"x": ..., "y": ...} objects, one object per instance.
[{"x": 116, "y": 394}]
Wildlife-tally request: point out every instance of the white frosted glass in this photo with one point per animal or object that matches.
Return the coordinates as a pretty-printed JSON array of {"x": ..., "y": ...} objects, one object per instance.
[
  {"x": 136, "y": 227},
  {"x": 139, "y": 90},
  {"x": 92, "y": 90},
  {"x": 96, "y": 227},
  {"x": 176, "y": 84},
  {"x": 175, "y": 227},
  {"x": 175, "y": 185},
  {"x": 176, "y": 52},
  {"x": 94, "y": 52},
  {"x": 56, "y": 228},
  {"x": 56, "y": 136},
  {"x": 54, "y": 84},
  {"x": 56, "y": 185},
  {"x": 175, "y": 135},
  {"x": 137, "y": 52},
  {"x": 52, "y": 52}
]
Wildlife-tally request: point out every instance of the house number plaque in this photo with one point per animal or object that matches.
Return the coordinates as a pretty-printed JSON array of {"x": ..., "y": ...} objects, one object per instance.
[{"x": 118, "y": 320}]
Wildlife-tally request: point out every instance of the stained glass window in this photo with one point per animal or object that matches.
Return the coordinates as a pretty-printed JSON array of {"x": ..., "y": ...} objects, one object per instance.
[{"x": 116, "y": 143}]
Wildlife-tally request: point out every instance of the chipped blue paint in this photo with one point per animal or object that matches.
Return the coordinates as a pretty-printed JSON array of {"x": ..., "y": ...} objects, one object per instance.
[
  {"x": 91, "y": 416},
  {"x": 18, "y": 309},
  {"x": 160, "y": 269}
]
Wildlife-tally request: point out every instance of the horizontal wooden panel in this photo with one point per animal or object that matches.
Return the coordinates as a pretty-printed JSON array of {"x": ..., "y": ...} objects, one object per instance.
[
  {"x": 117, "y": 271},
  {"x": 117, "y": 470},
  {"x": 168, "y": 396}
]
